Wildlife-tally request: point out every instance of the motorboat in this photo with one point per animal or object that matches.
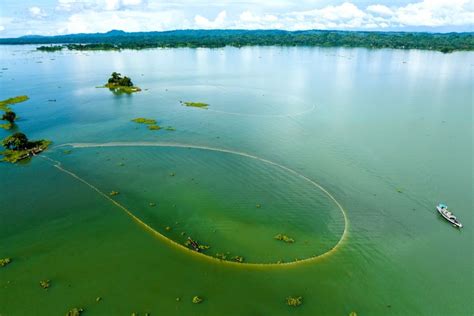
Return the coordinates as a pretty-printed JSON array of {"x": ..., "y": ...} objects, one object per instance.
[{"x": 443, "y": 210}]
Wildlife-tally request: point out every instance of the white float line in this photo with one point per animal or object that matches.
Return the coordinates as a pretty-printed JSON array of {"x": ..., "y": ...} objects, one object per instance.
[{"x": 177, "y": 245}]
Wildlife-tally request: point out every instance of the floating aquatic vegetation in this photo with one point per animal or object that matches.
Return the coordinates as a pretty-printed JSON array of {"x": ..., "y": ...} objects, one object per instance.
[
  {"x": 170, "y": 128},
  {"x": 67, "y": 151},
  {"x": 183, "y": 233},
  {"x": 142, "y": 120},
  {"x": 114, "y": 193},
  {"x": 294, "y": 301},
  {"x": 6, "y": 126},
  {"x": 399, "y": 190},
  {"x": 98, "y": 299},
  {"x": 284, "y": 238},
  {"x": 168, "y": 228},
  {"x": 5, "y": 261},
  {"x": 154, "y": 127},
  {"x": 18, "y": 99},
  {"x": 352, "y": 314},
  {"x": 178, "y": 299},
  {"x": 204, "y": 247},
  {"x": 221, "y": 256},
  {"x": 239, "y": 259},
  {"x": 258, "y": 206},
  {"x": 75, "y": 312},
  {"x": 197, "y": 300},
  {"x": 152, "y": 204},
  {"x": 45, "y": 284},
  {"x": 195, "y": 104},
  {"x": 172, "y": 174}
]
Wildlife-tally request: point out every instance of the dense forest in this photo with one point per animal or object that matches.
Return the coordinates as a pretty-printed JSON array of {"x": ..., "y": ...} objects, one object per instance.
[{"x": 116, "y": 40}]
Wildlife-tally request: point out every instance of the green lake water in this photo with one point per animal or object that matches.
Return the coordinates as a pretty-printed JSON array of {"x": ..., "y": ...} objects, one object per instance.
[{"x": 347, "y": 151}]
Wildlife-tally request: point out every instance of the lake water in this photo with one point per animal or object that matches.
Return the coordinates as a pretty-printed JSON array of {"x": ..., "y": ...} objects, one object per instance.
[{"x": 347, "y": 151}]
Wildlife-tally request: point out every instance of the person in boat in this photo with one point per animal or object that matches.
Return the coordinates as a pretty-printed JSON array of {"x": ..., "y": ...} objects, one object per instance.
[{"x": 194, "y": 244}]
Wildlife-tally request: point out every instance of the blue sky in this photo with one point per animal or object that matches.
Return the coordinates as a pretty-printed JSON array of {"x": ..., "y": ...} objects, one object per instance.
[{"x": 53, "y": 17}]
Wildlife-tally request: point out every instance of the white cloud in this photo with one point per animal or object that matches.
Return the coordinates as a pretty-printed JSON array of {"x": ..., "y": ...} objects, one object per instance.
[
  {"x": 248, "y": 16},
  {"x": 379, "y": 9},
  {"x": 74, "y": 16},
  {"x": 131, "y": 2},
  {"x": 428, "y": 13},
  {"x": 127, "y": 20},
  {"x": 36, "y": 12},
  {"x": 98, "y": 5},
  {"x": 436, "y": 13},
  {"x": 204, "y": 23}
]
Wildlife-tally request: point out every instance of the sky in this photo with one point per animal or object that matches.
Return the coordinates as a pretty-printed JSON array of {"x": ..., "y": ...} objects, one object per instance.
[{"x": 55, "y": 17}]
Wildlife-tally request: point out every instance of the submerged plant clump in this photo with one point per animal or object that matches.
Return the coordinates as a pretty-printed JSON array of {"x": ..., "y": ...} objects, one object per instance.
[
  {"x": 114, "y": 193},
  {"x": 154, "y": 127},
  {"x": 5, "y": 261},
  {"x": 284, "y": 238},
  {"x": 221, "y": 256},
  {"x": 142, "y": 120},
  {"x": 201, "y": 105},
  {"x": 45, "y": 284},
  {"x": 197, "y": 300},
  {"x": 294, "y": 301},
  {"x": 152, "y": 124},
  {"x": 204, "y": 247},
  {"x": 75, "y": 312}
]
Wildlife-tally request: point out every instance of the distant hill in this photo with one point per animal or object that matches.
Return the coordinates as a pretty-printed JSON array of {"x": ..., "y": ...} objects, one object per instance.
[{"x": 117, "y": 39}]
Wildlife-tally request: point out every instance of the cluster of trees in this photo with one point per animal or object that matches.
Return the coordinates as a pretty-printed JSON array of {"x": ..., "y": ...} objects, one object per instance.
[
  {"x": 116, "y": 79},
  {"x": 19, "y": 147},
  {"x": 51, "y": 48},
  {"x": 9, "y": 116},
  {"x": 100, "y": 46},
  {"x": 116, "y": 40},
  {"x": 17, "y": 141}
]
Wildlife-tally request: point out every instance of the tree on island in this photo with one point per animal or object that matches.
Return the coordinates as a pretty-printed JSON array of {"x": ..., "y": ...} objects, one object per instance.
[
  {"x": 9, "y": 116},
  {"x": 17, "y": 141},
  {"x": 116, "y": 79}
]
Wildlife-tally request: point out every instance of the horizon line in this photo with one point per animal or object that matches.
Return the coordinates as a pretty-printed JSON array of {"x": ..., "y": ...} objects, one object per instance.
[{"x": 251, "y": 30}]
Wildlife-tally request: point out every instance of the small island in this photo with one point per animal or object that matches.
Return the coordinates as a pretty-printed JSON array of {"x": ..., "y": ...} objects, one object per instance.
[
  {"x": 8, "y": 114},
  {"x": 18, "y": 147},
  {"x": 18, "y": 99},
  {"x": 10, "y": 117},
  {"x": 150, "y": 122},
  {"x": 50, "y": 49},
  {"x": 200, "y": 105},
  {"x": 119, "y": 84}
]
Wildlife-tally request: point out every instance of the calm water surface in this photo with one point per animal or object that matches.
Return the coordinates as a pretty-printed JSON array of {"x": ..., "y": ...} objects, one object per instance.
[{"x": 388, "y": 134}]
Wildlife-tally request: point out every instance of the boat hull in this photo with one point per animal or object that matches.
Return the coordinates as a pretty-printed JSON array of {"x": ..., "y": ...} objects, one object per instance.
[{"x": 452, "y": 221}]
